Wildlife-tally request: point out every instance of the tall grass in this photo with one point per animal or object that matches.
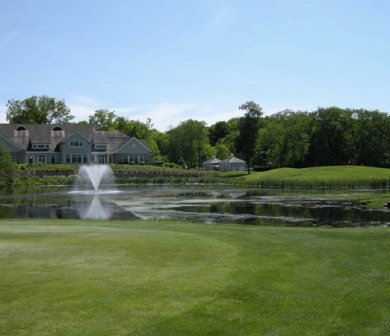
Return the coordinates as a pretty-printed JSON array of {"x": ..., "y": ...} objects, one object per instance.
[{"x": 320, "y": 178}]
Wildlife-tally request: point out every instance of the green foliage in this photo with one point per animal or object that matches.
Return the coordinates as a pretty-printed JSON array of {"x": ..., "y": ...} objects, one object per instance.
[
  {"x": 249, "y": 126},
  {"x": 327, "y": 136},
  {"x": 74, "y": 277},
  {"x": 218, "y": 131},
  {"x": 189, "y": 141},
  {"x": 103, "y": 120},
  {"x": 38, "y": 110},
  {"x": 321, "y": 177},
  {"x": 7, "y": 168},
  {"x": 284, "y": 139},
  {"x": 221, "y": 151},
  {"x": 133, "y": 128}
]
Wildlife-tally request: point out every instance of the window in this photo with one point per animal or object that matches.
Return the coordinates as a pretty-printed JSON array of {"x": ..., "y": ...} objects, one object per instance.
[
  {"x": 52, "y": 159},
  {"x": 100, "y": 147},
  {"x": 67, "y": 159},
  {"x": 40, "y": 146},
  {"x": 76, "y": 143},
  {"x": 126, "y": 159},
  {"x": 85, "y": 158},
  {"x": 22, "y": 131},
  {"x": 41, "y": 159}
]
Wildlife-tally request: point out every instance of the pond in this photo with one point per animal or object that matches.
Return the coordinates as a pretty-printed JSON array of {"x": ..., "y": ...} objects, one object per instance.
[{"x": 206, "y": 204}]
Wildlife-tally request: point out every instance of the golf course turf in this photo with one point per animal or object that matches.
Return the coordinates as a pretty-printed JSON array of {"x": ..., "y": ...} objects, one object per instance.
[{"x": 71, "y": 277}]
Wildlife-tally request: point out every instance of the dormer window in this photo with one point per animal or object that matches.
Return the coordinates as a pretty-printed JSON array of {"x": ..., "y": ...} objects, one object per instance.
[
  {"x": 21, "y": 131},
  {"x": 57, "y": 132}
]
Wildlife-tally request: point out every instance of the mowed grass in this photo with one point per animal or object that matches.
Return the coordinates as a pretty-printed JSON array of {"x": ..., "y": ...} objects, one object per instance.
[
  {"x": 321, "y": 177},
  {"x": 167, "y": 278}
]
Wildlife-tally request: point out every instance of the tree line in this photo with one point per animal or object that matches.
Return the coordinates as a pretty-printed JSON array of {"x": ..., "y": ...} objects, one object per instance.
[{"x": 326, "y": 136}]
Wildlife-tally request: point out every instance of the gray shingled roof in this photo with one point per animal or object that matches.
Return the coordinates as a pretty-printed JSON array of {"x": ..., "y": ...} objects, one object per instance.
[
  {"x": 42, "y": 134},
  {"x": 233, "y": 159},
  {"x": 213, "y": 160}
]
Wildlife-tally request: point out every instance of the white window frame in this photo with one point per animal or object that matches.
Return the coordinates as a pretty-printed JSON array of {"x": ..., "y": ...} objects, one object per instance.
[{"x": 76, "y": 143}]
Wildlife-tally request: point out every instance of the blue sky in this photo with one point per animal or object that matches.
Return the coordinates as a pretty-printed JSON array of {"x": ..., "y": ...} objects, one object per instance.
[{"x": 178, "y": 59}]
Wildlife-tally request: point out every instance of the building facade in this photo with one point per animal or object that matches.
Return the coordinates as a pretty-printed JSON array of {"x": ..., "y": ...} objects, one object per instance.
[{"x": 71, "y": 143}]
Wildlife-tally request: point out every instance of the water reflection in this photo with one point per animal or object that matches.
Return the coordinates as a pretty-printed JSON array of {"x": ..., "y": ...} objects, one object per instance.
[
  {"x": 193, "y": 203},
  {"x": 94, "y": 208}
]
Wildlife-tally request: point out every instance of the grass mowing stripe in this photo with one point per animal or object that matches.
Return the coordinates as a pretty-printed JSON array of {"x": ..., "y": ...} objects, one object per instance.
[{"x": 166, "y": 278}]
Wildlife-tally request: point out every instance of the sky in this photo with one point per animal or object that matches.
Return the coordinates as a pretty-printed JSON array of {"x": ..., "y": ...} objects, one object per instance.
[{"x": 173, "y": 60}]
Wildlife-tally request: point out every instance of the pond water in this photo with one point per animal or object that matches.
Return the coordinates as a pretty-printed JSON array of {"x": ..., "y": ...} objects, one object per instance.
[{"x": 194, "y": 203}]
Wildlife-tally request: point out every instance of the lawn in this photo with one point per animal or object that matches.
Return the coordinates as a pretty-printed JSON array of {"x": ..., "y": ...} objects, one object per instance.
[
  {"x": 321, "y": 177},
  {"x": 177, "y": 278}
]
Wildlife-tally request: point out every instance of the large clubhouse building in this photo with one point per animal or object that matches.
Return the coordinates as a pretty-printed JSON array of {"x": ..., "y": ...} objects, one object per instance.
[{"x": 71, "y": 143}]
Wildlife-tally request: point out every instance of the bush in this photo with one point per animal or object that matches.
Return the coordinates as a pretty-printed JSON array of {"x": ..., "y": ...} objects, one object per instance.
[{"x": 7, "y": 168}]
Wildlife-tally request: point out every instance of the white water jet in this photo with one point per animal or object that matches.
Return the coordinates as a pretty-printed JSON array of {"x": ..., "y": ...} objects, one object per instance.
[
  {"x": 95, "y": 178},
  {"x": 96, "y": 210}
]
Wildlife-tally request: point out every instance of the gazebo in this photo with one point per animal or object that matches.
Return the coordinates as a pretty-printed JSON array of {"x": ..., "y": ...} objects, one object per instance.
[
  {"x": 212, "y": 164},
  {"x": 232, "y": 164}
]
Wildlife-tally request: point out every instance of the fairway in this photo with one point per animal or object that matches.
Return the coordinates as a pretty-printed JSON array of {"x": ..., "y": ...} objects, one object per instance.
[{"x": 176, "y": 278}]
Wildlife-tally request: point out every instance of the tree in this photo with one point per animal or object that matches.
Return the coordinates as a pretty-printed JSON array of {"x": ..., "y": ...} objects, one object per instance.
[
  {"x": 331, "y": 139},
  {"x": 189, "y": 142},
  {"x": 7, "y": 168},
  {"x": 371, "y": 135},
  {"x": 38, "y": 110},
  {"x": 284, "y": 139},
  {"x": 221, "y": 151},
  {"x": 102, "y": 120},
  {"x": 218, "y": 131},
  {"x": 133, "y": 128},
  {"x": 249, "y": 126}
]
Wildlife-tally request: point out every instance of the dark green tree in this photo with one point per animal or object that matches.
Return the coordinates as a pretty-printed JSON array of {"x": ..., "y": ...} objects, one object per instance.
[
  {"x": 103, "y": 120},
  {"x": 371, "y": 135},
  {"x": 7, "y": 168},
  {"x": 218, "y": 131},
  {"x": 249, "y": 126},
  {"x": 38, "y": 110},
  {"x": 331, "y": 139}
]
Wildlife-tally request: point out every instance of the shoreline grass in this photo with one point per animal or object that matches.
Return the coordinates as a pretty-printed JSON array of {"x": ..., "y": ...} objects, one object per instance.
[
  {"x": 332, "y": 177},
  {"x": 71, "y": 277}
]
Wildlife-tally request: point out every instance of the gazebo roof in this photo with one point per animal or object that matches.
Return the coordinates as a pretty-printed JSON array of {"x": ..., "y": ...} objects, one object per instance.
[
  {"x": 213, "y": 160},
  {"x": 233, "y": 159}
]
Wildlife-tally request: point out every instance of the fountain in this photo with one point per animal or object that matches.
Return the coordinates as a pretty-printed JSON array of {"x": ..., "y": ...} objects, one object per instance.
[
  {"x": 96, "y": 210},
  {"x": 95, "y": 179},
  {"x": 92, "y": 182}
]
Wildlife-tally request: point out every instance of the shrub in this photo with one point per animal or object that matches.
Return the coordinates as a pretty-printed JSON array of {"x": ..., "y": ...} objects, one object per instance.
[{"x": 7, "y": 168}]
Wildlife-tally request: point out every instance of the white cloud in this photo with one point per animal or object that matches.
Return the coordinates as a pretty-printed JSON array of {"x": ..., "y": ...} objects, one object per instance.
[
  {"x": 163, "y": 115},
  {"x": 82, "y": 107}
]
